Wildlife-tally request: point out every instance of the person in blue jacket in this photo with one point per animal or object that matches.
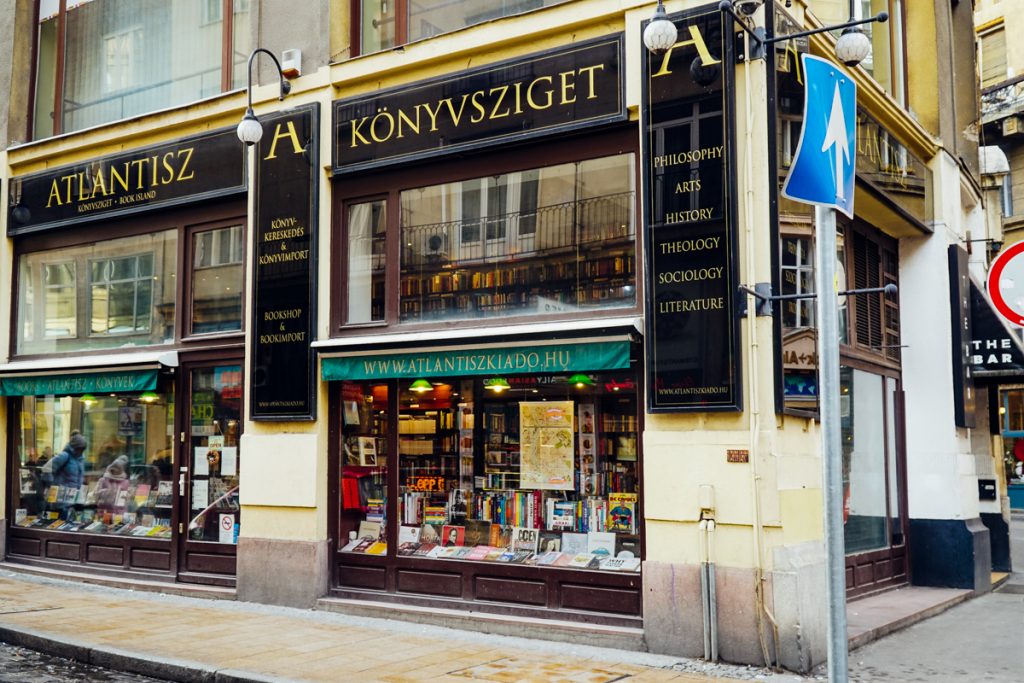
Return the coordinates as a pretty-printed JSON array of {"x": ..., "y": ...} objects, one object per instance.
[{"x": 68, "y": 467}]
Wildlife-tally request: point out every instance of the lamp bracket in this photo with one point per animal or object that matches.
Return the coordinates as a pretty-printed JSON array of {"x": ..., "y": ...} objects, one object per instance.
[
  {"x": 761, "y": 40},
  {"x": 762, "y": 291}
]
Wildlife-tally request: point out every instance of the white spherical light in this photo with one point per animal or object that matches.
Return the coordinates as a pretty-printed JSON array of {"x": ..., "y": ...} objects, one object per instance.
[
  {"x": 249, "y": 130},
  {"x": 853, "y": 46},
  {"x": 660, "y": 33}
]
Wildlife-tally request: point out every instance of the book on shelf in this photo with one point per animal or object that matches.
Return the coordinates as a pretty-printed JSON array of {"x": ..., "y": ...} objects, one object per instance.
[
  {"x": 368, "y": 529},
  {"x": 549, "y": 541},
  {"x": 563, "y": 559},
  {"x": 425, "y": 549},
  {"x": 574, "y": 543},
  {"x": 525, "y": 539},
  {"x": 622, "y": 512},
  {"x": 548, "y": 558},
  {"x": 601, "y": 543},
  {"x": 478, "y": 532},
  {"x": 141, "y": 495},
  {"x": 378, "y": 548},
  {"x": 625, "y": 543},
  {"x": 581, "y": 560},
  {"x": 375, "y": 509},
  {"x": 494, "y": 554},
  {"x": 408, "y": 534},
  {"x": 436, "y": 552},
  {"x": 408, "y": 548},
  {"x": 620, "y": 564},
  {"x": 479, "y": 552},
  {"x": 501, "y": 537},
  {"x": 435, "y": 514},
  {"x": 453, "y": 535}
]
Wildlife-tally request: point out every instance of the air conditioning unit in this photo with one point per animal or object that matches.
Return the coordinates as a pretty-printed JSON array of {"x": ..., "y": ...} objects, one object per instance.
[{"x": 1012, "y": 126}]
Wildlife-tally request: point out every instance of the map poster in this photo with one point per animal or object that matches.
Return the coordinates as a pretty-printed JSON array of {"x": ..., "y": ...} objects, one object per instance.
[{"x": 547, "y": 445}]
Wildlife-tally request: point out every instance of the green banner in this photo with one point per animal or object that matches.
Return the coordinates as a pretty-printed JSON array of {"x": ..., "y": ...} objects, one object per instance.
[
  {"x": 511, "y": 360},
  {"x": 93, "y": 382}
]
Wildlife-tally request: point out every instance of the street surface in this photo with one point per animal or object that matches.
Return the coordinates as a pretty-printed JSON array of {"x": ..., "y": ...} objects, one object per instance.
[{"x": 18, "y": 665}]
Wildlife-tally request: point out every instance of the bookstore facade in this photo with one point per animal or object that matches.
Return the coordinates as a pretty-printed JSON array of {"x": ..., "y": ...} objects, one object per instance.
[
  {"x": 129, "y": 284},
  {"x": 498, "y": 466}
]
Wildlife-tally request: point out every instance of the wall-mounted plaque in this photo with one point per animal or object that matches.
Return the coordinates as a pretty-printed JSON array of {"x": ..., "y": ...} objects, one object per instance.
[
  {"x": 283, "y": 385},
  {"x": 689, "y": 200}
]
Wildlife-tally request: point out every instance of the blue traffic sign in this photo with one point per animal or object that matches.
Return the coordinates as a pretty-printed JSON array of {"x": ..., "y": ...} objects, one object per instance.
[{"x": 824, "y": 165}]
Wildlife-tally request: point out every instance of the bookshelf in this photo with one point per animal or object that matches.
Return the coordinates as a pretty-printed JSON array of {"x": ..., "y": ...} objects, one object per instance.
[{"x": 601, "y": 276}]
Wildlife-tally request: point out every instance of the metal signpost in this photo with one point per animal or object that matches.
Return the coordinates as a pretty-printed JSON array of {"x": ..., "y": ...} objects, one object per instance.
[{"x": 822, "y": 174}]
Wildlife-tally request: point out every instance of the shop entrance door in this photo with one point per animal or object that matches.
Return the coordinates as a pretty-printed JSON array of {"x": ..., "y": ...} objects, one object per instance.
[{"x": 208, "y": 472}]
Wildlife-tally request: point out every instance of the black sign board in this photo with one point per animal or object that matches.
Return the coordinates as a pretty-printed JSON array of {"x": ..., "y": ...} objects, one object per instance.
[
  {"x": 185, "y": 171},
  {"x": 284, "y": 292},
  {"x": 995, "y": 349},
  {"x": 544, "y": 93},
  {"x": 960, "y": 325},
  {"x": 689, "y": 198}
]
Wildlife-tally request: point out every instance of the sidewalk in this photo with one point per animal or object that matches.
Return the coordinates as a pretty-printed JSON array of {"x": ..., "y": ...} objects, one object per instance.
[{"x": 192, "y": 639}]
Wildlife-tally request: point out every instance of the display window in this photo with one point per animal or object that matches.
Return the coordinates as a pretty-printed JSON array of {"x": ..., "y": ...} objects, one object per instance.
[
  {"x": 96, "y": 464},
  {"x": 526, "y": 469}
]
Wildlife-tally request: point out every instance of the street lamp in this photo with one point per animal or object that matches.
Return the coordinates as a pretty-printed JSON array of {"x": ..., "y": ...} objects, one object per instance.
[
  {"x": 852, "y": 48},
  {"x": 250, "y": 130}
]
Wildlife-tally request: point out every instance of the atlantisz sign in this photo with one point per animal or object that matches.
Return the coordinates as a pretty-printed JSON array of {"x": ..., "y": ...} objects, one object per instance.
[
  {"x": 688, "y": 212},
  {"x": 541, "y": 94},
  {"x": 189, "y": 170},
  {"x": 284, "y": 321}
]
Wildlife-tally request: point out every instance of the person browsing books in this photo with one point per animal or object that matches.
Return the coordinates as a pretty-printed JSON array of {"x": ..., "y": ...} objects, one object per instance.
[
  {"x": 114, "y": 480},
  {"x": 67, "y": 467}
]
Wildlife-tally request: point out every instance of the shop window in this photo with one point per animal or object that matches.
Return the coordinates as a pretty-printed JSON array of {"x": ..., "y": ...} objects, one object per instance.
[
  {"x": 384, "y": 24},
  {"x": 213, "y": 457},
  {"x": 105, "y": 60},
  {"x": 118, "y": 292},
  {"x": 218, "y": 277},
  {"x": 121, "y": 482},
  {"x": 367, "y": 230},
  {"x": 538, "y": 470},
  {"x": 548, "y": 240},
  {"x": 364, "y": 458},
  {"x": 870, "y": 491},
  {"x": 121, "y": 294}
]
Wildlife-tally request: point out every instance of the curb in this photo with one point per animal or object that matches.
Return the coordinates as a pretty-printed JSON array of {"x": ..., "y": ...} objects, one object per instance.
[{"x": 179, "y": 670}]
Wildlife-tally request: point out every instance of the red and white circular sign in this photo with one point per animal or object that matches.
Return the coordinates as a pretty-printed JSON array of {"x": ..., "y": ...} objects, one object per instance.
[{"x": 1006, "y": 283}]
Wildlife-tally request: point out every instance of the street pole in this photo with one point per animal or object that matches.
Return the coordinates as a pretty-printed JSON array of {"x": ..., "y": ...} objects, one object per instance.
[{"x": 831, "y": 453}]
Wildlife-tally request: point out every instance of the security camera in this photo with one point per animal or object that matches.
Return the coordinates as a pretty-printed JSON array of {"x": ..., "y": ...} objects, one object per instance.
[{"x": 748, "y": 7}]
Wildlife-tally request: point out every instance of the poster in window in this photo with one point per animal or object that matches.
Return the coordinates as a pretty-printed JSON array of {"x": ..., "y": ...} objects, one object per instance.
[{"x": 547, "y": 445}]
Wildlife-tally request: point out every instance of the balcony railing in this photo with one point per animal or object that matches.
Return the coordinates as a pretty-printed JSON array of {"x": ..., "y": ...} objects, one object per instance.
[{"x": 1002, "y": 100}]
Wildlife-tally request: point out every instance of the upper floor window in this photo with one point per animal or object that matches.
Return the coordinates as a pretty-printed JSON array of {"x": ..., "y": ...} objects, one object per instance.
[
  {"x": 384, "y": 24},
  {"x": 887, "y": 60},
  {"x": 103, "y": 60},
  {"x": 992, "y": 58}
]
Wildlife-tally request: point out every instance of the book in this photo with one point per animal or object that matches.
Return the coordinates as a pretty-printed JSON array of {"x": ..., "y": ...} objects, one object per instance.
[
  {"x": 548, "y": 558},
  {"x": 622, "y": 512},
  {"x": 549, "y": 541},
  {"x": 581, "y": 560},
  {"x": 408, "y": 534},
  {"x": 430, "y": 533},
  {"x": 461, "y": 552},
  {"x": 627, "y": 546},
  {"x": 368, "y": 529},
  {"x": 601, "y": 543},
  {"x": 563, "y": 559},
  {"x": 478, "y": 532},
  {"x": 434, "y": 514},
  {"x": 620, "y": 564},
  {"x": 121, "y": 500},
  {"x": 501, "y": 537},
  {"x": 377, "y": 548},
  {"x": 494, "y": 554},
  {"x": 479, "y": 552},
  {"x": 525, "y": 539},
  {"x": 52, "y": 493},
  {"x": 520, "y": 556},
  {"x": 363, "y": 544},
  {"x": 574, "y": 543},
  {"x": 407, "y": 548},
  {"x": 506, "y": 556},
  {"x": 436, "y": 551},
  {"x": 141, "y": 495},
  {"x": 425, "y": 549},
  {"x": 453, "y": 535},
  {"x": 448, "y": 552},
  {"x": 350, "y": 546}
]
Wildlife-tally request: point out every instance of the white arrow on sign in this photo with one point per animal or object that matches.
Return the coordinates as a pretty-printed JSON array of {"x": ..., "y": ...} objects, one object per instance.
[{"x": 835, "y": 134}]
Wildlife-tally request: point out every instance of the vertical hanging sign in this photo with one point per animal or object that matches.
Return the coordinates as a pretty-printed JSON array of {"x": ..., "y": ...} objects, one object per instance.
[
  {"x": 283, "y": 382},
  {"x": 689, "y": 205}
]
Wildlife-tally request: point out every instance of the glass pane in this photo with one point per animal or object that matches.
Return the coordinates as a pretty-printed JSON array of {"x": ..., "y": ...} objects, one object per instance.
[
  {"x": 364, "y": 467},
  {"x": 129, "y": 295},
  {"x": 432, "y": 17},
  {"x": 242, "y": 36},
  {"x": 864, "y": 460},
  {"x": 378, "y": 25},
  {"x": 119, "y": 482},
  {"x": 214, "y": 430},
  {"x": 895, "y": 501},
  {"x": 218, "y": 276},
  {"x": 549, "y": 240},
  {"x": 123, "y": 59},
  {"x": 367, "y": 228},
  {"x": 46, "y": 69},
  {"x": 544, "y": 472}
]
